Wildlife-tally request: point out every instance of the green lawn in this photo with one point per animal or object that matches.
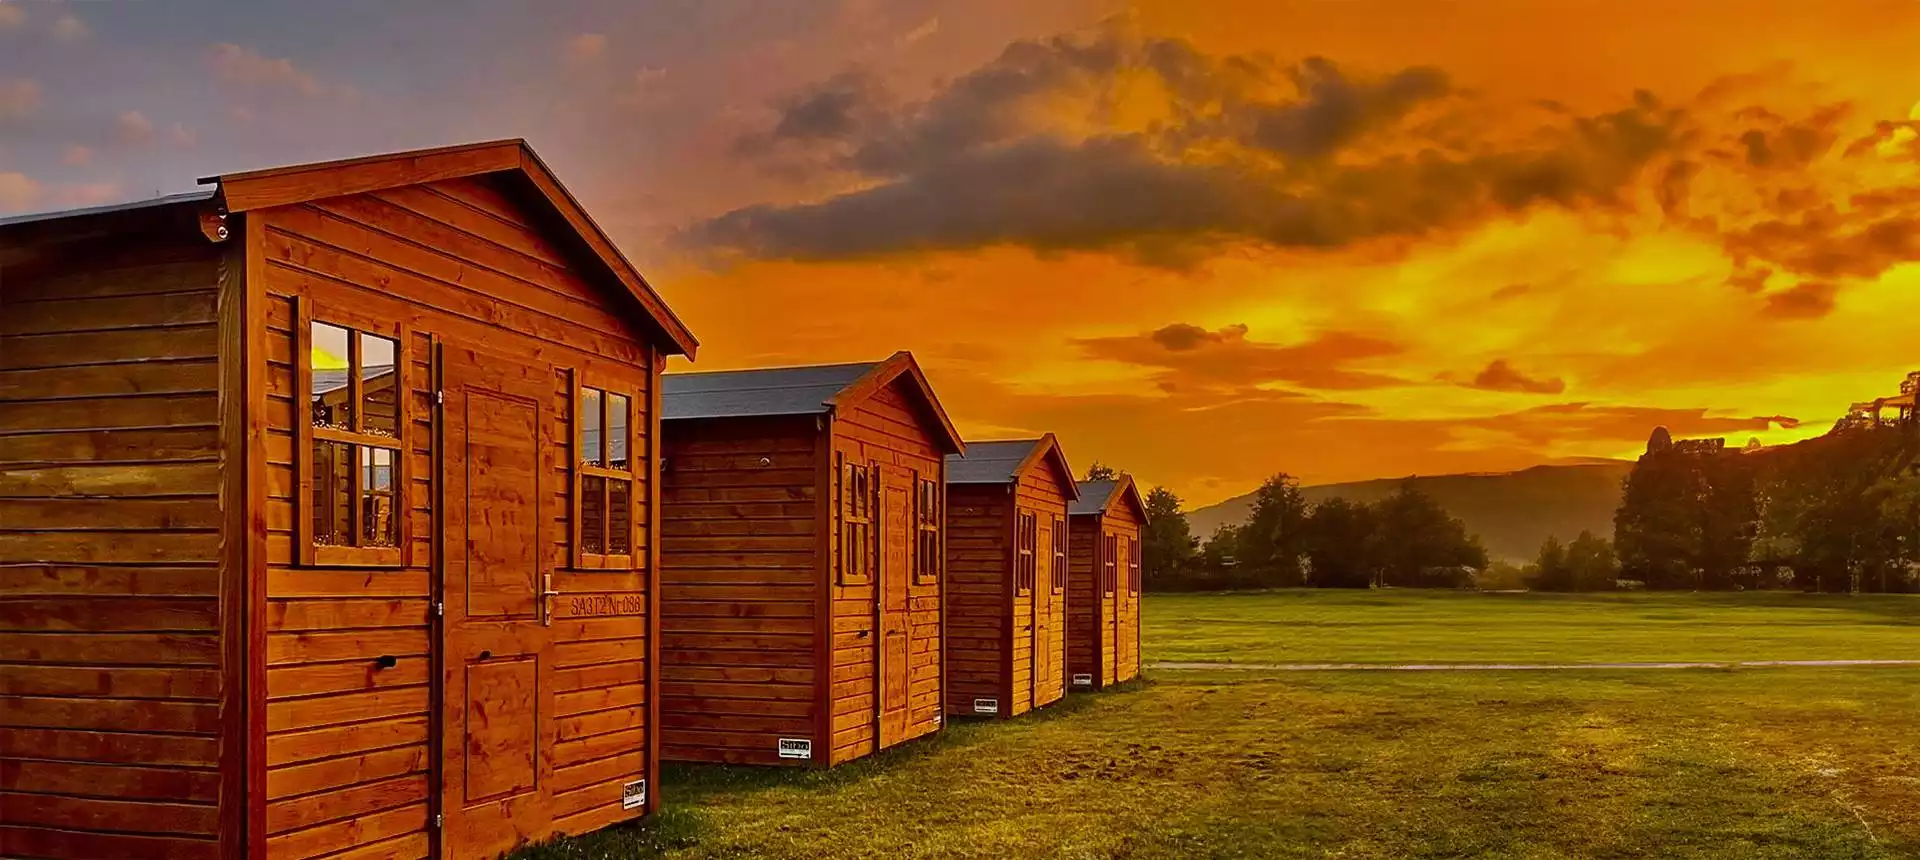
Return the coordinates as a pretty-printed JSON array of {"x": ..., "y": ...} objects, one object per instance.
[
  {"x": 1328, "y": 626},
  {"x": 1786, "y": 763}
]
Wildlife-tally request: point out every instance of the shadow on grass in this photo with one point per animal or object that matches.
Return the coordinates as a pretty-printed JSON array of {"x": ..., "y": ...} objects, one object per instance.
[{"x": 695, "y": 793}]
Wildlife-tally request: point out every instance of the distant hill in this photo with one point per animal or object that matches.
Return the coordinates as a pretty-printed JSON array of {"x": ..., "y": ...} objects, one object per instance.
[{"x": 1512, "y": 512}]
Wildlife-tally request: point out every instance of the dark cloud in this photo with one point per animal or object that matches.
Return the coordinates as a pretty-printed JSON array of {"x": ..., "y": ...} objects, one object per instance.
[
  {"x": 1190, "y": 357},
  {"x": 833, "y": 110},
  {"x": 1806, "y": 300},
  {"x": 1586, "y": 422},
  {"x": 1500, "y": 375}
]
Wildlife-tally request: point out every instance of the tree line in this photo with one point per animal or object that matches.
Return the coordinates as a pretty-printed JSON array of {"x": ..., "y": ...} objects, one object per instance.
[{"x": 1840, "y": 513}]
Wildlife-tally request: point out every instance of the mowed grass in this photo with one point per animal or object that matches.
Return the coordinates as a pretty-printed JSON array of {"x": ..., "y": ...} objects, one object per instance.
[
  {"x": 1786, "y": 763},
  {"x": 1405, "y": 626}
]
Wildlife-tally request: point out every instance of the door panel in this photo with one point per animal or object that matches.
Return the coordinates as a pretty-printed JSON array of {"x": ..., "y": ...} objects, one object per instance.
[
  {"x": 896, "y": 543},
  {"x": 1043, "y": 603},
  {"x": 497, "y": 732}
]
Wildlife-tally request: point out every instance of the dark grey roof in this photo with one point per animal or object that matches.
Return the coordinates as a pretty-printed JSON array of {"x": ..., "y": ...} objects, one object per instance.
[
  {"x": 129, "y": 206},
  {"x": 750, "y": 393},
  {"x": 988, "y": 462},
  {"x": 1094, "y": 496},
  {"x": 336, "y": 378}
]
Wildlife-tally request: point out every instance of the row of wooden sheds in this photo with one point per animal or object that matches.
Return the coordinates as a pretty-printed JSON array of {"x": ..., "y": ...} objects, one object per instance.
[{"x": 345, "y": 512}]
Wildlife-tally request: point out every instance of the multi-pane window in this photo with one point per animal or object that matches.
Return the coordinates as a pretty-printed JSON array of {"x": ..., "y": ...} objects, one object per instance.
[
  {"x": 1025, "y": 533},
  {"x": 857, "y": 494},
  {"x": 352, "y": 430},
  {"x": 1059, "y": 555},
  {"x": 927, "y": 516},
  {"x": 604, "y": 478},
  {"x": 1133, "y": 566},
  {"x": 1109, "y": 552}
]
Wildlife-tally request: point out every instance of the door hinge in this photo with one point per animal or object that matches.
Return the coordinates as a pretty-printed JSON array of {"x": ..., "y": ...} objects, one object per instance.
[
  {"x": 439, "y": 609},
  {"x": 438, "y": 820},
  {"x": 439, "y": 397}
]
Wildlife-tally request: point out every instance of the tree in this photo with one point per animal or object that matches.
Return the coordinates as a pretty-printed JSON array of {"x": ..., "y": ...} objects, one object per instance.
[
  {"x": 1657, "y": 529},
  {"x": 1550, "y": 569},
  {"x": 1101, "y": 472},
  {"x": 1168, "y": 548},
  {"x": 1338, "y": 544},
  {"x": 1272, "y": 544},
  {"x": 1416, "y": 544}
]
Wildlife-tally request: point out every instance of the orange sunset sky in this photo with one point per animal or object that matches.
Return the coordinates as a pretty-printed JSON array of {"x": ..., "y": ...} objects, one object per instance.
[{"x": 1202, "y": 241}]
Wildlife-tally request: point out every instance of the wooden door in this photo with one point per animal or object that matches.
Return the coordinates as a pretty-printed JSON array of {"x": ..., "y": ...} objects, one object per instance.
[
  {"x": 1124, "y": 614},
  {"x": 1044, "y": 666},
  {"x": 497, "y": 730},
  {"x": 1109, "y": 605},
  {"x": 896, "y": 541}
]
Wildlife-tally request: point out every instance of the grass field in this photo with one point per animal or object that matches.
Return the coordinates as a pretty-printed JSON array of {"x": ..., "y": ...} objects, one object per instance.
[{"x": 1787, "y": 763}]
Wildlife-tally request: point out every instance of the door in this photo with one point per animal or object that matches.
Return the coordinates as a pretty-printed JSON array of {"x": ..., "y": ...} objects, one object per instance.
[
  {"x": 497, "y": 730},
  {"x": 1037, "y": 622},
  {"x": 1128, "y": 607},
  {"x": 896, "y": 542}
]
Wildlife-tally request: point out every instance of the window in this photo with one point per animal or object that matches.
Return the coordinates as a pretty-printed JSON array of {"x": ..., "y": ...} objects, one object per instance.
[
  {"x": 1059, "y": 555},
  {"x": 604, "y": 477},
  {"x": 1133, "y": 566},
  {"x": 350, "y": 428},
  {"x": 857, "y": 494},
  {"x": 1025, "y": 533},
  {"x": 1109, "y": 552},
  {"x": 927, "y": 516}
]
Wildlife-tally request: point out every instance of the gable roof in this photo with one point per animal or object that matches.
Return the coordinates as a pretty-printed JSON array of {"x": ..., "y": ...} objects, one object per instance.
[
  {"x": 1099, "y": 497},
  {"x": 283, "y": 186},
  {"x": 808, "y": 390},
  {"x": 1004, "y": 461}
]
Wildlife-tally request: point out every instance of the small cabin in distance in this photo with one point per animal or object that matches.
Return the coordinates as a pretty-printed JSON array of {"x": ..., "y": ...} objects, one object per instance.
[
  {"x": 802, "y": 561},
  {"x": 329, "y": 503},
  {"x": 1103, "y": 599},
  {"x": 1007, "y": 576}
]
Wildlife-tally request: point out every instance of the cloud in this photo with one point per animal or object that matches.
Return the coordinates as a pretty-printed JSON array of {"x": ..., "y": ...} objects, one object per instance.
[
  {"x": 1499, "y": 375},
  {"x": 19, "y": 98},
  {"x": 70, "y": 28},
  {"x": 12, "y": 16},
  {"x": 585, "y": 48},
  {"x": 986, "y": 161},
  {"x": 246, "y": 69},
  {"x": 134, "y": 128},
  {"x": 77, "y": 155},
  {"x": 1563, "y": 422},
  {"x": 18, "y": 192},
  {"x": 1188, "y": 356},
  {"x": 920, "y": 33},
  {"x": 178, "y": 134},
  {"x": 1806, "y": 300}
]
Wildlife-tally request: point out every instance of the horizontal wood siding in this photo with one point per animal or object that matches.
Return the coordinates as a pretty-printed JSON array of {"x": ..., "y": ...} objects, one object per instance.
[
  {"x": 348, "y": 745},
  {"x": 979, "y": 573},
  {"x": 892, "y": 430},
  {"x": 739, "y": 535},
  {"x": 109, "y": 549}
]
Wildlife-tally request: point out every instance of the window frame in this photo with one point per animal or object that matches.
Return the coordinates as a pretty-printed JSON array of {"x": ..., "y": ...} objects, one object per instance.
[
  {"x": 1026, "y": 535},
  {"x": 579, "y": 471},
  {"x": 857, "y": 497},
  {"x": 1058, "y": 574},
  {"x": 307, "y": 551},
  {"x": 1109, "y": 552},
  {"x": 1133, "y": 567},
  {"x": 929, "y": 554}
]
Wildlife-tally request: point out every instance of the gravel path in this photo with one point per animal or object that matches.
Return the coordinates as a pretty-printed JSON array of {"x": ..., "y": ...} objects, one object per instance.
[{"x": 1526, "y": 667}]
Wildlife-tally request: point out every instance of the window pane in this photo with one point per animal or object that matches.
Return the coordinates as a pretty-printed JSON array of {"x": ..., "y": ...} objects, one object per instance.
[
  {"x": 619, "y": 517},
  {"x": 328, "y": 351},
  {"x": 378, "y": 524},
  {"x": 379, "y": 399},
  {"x": 332, "y": 494},
  {"x": 591, "y": 451},
  {"x": 593, "y": 514},
  {"x": 616, "y": 431}
]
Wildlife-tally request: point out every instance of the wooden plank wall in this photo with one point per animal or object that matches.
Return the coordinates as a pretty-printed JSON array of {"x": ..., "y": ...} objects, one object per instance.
[
  {"x": 348, "y": 747},
  {"x": 889, "y": 429},
  {"x": 1086, "y": 606},
  {"x": 109, "y": 550},
  {"x": 979, "y": 575},
  {"x": 1041, "y": 494},
  {"x": 739, "y": 611}
]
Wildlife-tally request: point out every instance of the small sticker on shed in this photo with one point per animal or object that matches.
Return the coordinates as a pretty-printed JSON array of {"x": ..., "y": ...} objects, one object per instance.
[
  {"x": 1083, "y": 680},
  {"x": 986, "y": 706},
  {"x": 633, "y": 795},
  {"x": 796, "y": 748}
]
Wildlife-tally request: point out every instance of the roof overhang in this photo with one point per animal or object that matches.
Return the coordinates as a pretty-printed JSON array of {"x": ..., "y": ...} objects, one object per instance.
[
  {"x": 285, "y": 186},
  {"x": 901, "y": 364}
]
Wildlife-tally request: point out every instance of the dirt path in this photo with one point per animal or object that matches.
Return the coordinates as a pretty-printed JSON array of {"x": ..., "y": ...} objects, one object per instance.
[{"x": 1523, "y": 667}]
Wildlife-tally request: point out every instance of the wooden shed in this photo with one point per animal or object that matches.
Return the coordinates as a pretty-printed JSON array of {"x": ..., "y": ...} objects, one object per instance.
[
  {"x": 1007, "y": 576},
  {"x": 326, "y": 515},
  {"x": 802, "y": 512},
  {"x": 1103, "y": 595}
]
